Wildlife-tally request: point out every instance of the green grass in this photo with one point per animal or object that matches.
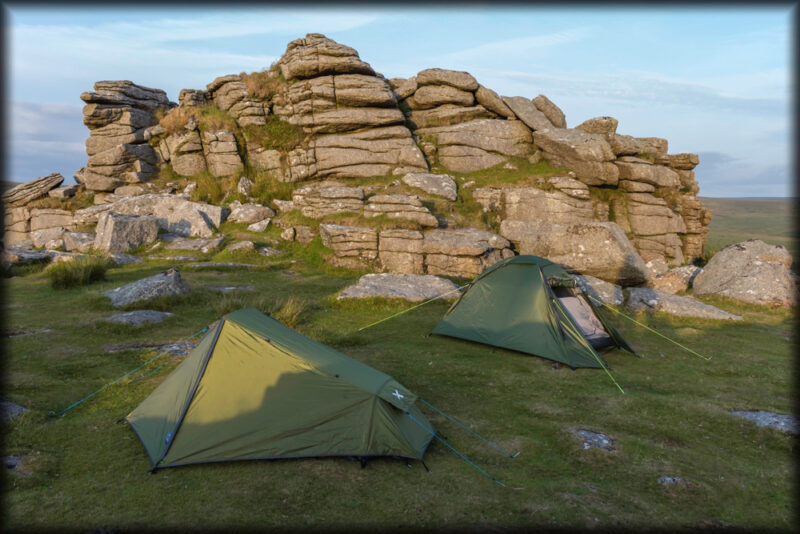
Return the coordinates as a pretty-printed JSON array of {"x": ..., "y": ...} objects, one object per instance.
[
  {"x": 85, "y": 472},
  {"x": 276, "y": 134},
  {"x": 736, "y": 220}
]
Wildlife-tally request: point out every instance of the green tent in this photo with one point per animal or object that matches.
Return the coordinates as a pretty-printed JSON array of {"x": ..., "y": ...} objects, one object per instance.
[
  {"x": 255, "y": 389},
  {"x": 530, "y": 304}
]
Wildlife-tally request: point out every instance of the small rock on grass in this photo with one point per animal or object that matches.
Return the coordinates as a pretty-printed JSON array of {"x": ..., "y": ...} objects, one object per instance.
[
  {"x": 594, "y": 440},
  {"x": 259, "y": 226},
  {"x": 665, "y": 480},
  {"x": 269, "y": 251},
  {"x": 787, "y": 423},
  {"x": 139, "y": 317},
  {"x": 9, "y": 410},
  {"x": 228, "y": 289},
  {"x": 12, "y": 462},
  {"x": 242, "y": 246}
]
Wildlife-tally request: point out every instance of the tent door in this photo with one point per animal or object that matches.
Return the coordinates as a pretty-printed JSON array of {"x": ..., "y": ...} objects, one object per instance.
[{"x": 583, "y": 315}]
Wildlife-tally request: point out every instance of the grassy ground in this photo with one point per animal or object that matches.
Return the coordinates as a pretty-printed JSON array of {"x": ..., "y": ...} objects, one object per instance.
[
  {"x": 735, "y": 220},
  {"x": 83, "y": 471}
]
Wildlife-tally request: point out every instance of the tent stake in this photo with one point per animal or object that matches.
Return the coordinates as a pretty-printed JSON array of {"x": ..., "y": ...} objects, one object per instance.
[
  {"x": 455, "y": 451},
  {"x": 466, "y": 427},
  {"x": 647, "y": 327},
  {"x": 412, "y": 308}
]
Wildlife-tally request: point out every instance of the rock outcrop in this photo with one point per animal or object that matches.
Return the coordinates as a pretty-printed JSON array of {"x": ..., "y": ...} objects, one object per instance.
[{"x": 118, "y": 114}]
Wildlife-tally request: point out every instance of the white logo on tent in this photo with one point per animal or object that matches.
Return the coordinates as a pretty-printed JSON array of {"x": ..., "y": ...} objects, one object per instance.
[{"x": 398, "y": 394}]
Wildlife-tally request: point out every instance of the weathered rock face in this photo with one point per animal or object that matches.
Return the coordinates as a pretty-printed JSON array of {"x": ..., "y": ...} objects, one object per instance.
[
  {"x": 479, "y": 144},
  {"x": 120, "y": 233},
  {"x": 407, "y": 207},
  {"x": 588, "y": 155},
  {"x": 751, "y": 271},
  {"x": 567, "y": 203},
  {"x": 413, "y": 287},
  {"x": 353, "y": 246},
  {"x": 118, "y": 114},
  {"x": 168, "y": 283},
  {"x": 648, "y": 299},
  {"x": 30, "y": 191},
  {"x": 596, "y": 249},
  {"x": 316, "y": 200},
  {"x": 462, "y": 253},
  {"x": 436, "y": 184},
  {"x": 221, "y": 153},
  {"x": 400, "y": 251}
]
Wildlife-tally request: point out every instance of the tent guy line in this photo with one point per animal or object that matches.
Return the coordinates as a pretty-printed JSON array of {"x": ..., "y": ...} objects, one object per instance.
[{"x": 652, "y": 330}]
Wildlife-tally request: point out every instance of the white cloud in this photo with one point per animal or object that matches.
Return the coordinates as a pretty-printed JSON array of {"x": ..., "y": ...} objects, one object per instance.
[{"x": 518, "y": 47}]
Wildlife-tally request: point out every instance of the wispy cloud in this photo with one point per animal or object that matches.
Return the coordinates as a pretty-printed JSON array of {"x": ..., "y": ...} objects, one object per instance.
[
  {"x": 643, "y": 88},
  {"x": 517, "y": 47}
]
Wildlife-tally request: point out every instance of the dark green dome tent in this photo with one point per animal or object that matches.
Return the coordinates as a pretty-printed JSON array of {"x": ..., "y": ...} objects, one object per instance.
[
  {"x": 530, "y": 304},
  {"x": 255, "y": 389}
]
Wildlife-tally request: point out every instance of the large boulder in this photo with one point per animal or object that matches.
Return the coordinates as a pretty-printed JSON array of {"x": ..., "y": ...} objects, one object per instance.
[
  {"x": 588, "y": 155},
  {"x": 480, "y": 144},
  {"x": 462, "y": 253},
  {"x": 413, "y": 287},
  {"x": 598, "y": 249},
  {"x": 493, "y": 102},
  {"x": 118, "y": 232},
  {"x": 316, "y": 55},
  {"x": 551, "y": 111},
  {"x": 648, "y": 299},
  {"x": 454, "y": 78},
  {"x": 175, "y": 214},
  {"x": 751, "y": 271},
  {"x": 431, "y": 96},
  {"x": 30, "y": 191},
  {"x": 167, "y": 283},
  {"x": 528, "y": 113}
]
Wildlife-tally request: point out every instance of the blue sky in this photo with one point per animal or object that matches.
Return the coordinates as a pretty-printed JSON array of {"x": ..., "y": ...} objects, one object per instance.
[{"x": 713, "y": 81}]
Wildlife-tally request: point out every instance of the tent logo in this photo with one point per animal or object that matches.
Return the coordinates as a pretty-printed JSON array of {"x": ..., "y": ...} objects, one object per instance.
[{"x": 398, "y": 394}]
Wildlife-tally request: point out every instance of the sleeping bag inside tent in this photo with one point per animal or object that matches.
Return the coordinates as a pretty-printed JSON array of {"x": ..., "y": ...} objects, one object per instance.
[
  {"x": 255, "y": 389},
  {"x": 530, "y": 304}
]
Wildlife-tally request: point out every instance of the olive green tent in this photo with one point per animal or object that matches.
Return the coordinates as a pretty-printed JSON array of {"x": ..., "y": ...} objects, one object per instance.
[
  {"x": 530, "y": 304},
  {"x": 255, "y": 389}
]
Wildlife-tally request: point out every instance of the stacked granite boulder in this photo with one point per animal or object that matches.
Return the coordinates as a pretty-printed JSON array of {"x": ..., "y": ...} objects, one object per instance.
[{"x": 121, "y": 117}]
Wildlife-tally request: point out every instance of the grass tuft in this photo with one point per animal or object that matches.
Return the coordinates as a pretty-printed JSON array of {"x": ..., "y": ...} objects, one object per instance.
[{"x": 79, "y": 272}]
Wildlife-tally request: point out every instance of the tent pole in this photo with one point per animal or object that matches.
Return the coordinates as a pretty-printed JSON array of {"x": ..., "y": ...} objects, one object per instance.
[
  {"x": 647, "y": 327},
  {"x": 455, "y": 451},
  {"x": 412, "y": 308},
  {"x": 472, "y": 431}
]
